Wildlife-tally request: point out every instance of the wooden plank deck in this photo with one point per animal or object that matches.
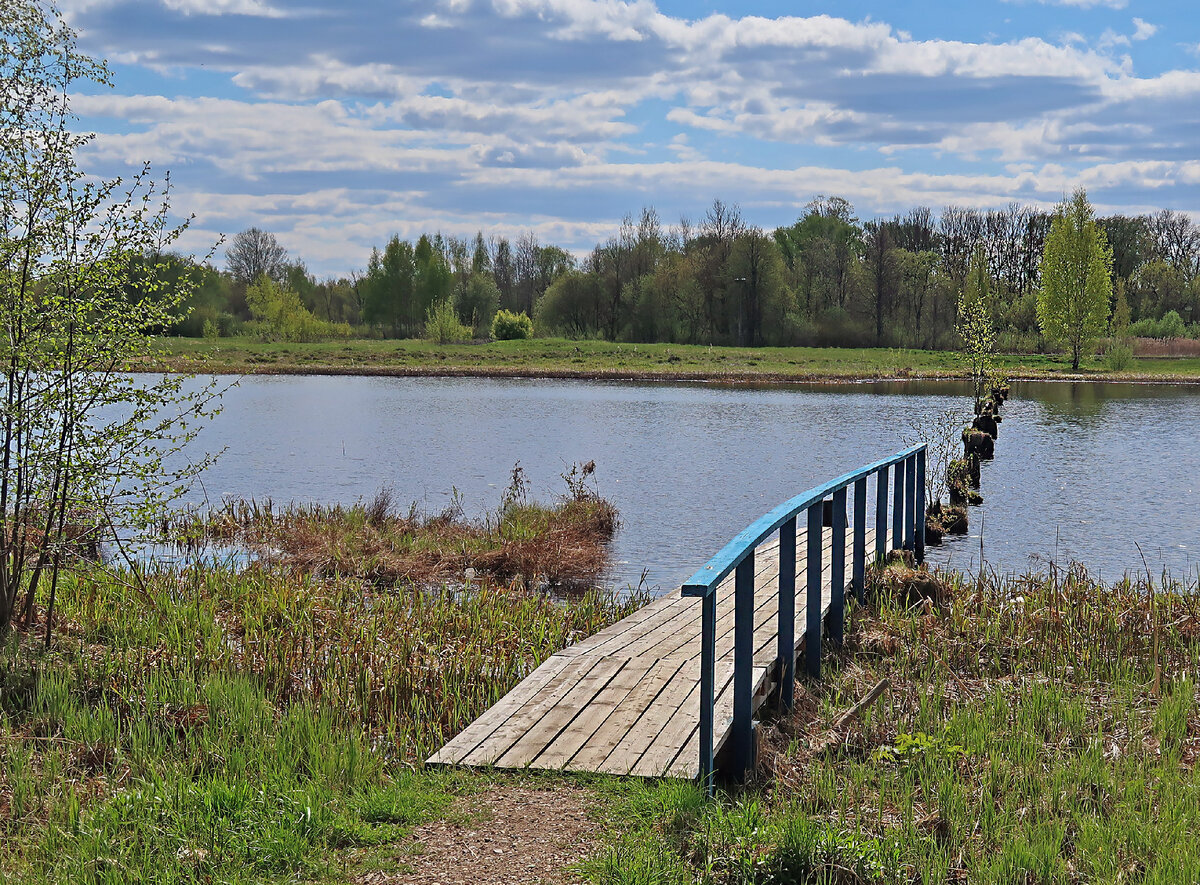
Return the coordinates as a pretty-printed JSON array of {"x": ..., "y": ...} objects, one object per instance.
[{"x": 626, "y": 700}]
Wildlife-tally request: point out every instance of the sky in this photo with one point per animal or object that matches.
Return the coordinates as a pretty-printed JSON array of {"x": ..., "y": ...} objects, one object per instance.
[{"x": 335, "y": 125}]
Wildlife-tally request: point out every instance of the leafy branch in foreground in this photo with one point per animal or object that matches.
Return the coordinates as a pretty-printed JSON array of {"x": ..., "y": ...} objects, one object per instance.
[{"x": 86, "y": 450}]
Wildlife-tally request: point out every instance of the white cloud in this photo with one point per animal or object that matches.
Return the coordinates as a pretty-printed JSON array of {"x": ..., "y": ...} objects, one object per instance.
[
  {"x": 224, "y": 7},
  {"x": 1080, "y": 4},
  {"x": 458, "y": 110},
  {"x": 1143, "y": 30}
]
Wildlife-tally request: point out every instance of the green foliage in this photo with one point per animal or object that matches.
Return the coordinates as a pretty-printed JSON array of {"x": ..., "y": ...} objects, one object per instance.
[
  {"x": 477, "y": 303},
  {"x": 1119, "y": 356},
  {"x": 1121, "y": 314},
  {"x": 975, "y": 329},
  {"x": 1170, "y": 326},
  {"x": 442, "y": 324},
  {"x": 1076, "y": 268},
  {"x": 85, "y": 281},
  {"x": 509, "y": 326},
  {"x": 283, "y": 317},
  {"x": 921, "y": 749},
  {"x": 388, "y": 289},
  {"x": 571, "y": 306}
]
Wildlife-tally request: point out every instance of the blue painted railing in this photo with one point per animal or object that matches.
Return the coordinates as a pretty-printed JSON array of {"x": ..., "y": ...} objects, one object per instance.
[{"x": 908, "y": 526}]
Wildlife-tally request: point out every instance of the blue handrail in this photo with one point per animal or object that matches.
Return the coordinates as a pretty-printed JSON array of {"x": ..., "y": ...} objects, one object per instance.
[{"x": 737, "y": 557}]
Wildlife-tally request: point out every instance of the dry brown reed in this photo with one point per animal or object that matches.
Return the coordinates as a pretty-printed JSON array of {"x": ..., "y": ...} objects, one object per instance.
[{"x": 563, "y": 545}]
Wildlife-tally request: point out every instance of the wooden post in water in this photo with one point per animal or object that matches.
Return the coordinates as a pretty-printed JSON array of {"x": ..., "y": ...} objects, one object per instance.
[
  {"x": 787, "y": 614},
  {"x": 743, "y": 668},
  {"x": 812, "y": 633},
  {"x": 837, "y": 569}
]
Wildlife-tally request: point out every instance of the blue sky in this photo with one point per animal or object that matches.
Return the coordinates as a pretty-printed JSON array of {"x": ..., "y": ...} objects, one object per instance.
[{"x": 335, "y": 125}]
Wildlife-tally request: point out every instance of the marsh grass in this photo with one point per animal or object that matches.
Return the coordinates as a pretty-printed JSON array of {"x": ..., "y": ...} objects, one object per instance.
[
  {"x": 206, "y": 726},
  {"x": 1036, "y": 730},
  {"x": 564, "y": 544}
]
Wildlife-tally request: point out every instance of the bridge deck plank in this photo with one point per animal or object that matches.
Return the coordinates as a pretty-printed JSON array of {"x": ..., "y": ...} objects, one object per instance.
[{"x": 626, "y": 699}]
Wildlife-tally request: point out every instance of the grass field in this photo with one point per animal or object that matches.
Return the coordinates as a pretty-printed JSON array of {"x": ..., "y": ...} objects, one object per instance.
[
  {"x": 599, "y": 359},
  {"x": 269, "y": 727}
]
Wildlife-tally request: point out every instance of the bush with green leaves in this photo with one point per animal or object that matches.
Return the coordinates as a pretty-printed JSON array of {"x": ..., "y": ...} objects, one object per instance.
[
  {"x": 1170, "y": 326},
  {"x": 280, "y": 314},
  {"x": 509, "y": 326},
  {"x": 442, "y": 324},
  {"x": 1119, "y": 356}
]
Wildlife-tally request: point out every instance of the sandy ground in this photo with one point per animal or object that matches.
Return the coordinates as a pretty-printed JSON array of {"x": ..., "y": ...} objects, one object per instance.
[{"x": 506, "y": 834}]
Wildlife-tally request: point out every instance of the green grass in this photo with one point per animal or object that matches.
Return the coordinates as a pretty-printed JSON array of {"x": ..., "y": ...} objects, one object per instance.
[
  {"x": 263, "y": 727},
  {"x": 258, "y": 727},
  {"x": 566, "y": 358},
  {"x": 1042, "y": 730}
]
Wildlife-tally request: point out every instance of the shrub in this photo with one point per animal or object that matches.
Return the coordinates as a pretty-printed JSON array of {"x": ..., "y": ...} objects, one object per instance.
[
  {"x": 1119, "y": 356},
  {"x": 509, "y": 326},
  {"x": 442, "y": 324},
  {"x": 1170, "y": 326}
]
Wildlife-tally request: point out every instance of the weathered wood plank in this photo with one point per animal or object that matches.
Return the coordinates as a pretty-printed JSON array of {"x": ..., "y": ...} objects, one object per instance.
[{"x": 626, "y": 699}]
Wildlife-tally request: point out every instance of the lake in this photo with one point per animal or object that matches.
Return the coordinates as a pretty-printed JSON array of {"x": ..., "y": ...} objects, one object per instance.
[{"x": 1097, "y": 472}]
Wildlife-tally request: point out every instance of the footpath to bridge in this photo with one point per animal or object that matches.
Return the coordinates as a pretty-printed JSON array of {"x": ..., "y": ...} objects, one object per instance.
[{"x": 632, "y": 699}]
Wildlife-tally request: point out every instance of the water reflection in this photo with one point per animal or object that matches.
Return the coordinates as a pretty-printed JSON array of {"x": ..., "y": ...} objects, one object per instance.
[{"x": 1083, "y": 470}]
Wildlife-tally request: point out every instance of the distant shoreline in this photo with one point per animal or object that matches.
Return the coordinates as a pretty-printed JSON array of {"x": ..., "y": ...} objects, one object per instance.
[{"x": 604, "y": 361}]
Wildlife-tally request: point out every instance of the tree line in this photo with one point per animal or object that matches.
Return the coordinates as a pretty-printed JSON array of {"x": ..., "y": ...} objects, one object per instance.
[{"x": 826, "y": 279}]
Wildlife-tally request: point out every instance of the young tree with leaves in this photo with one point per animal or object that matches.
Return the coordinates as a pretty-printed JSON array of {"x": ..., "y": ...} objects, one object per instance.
[
  {"x": 84, "y": 447},
  {"x": 975, "y": 327},
  {"x": 1076, "y": 270}
]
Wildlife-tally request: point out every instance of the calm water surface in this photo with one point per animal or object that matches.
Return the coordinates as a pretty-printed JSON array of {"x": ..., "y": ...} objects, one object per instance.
[{"x": 1083, "y": 471}]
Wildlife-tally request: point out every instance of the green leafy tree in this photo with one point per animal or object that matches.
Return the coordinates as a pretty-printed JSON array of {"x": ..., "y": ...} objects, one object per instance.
[
  {"x": 1076, "y": 270},
  {"x": 975, "y": 327},
  {"x": 387, "y": 290},
  {"x": 85, "y": 447},
  {"x": 477, "y": 302},
  {"x": 282, "y": 314}
]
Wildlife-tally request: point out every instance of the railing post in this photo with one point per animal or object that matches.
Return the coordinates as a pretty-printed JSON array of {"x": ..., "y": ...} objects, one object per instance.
[
  {"x": 708, "y": 663},
  {"x": 920, "y": 540},
  {"x": 897, "y": 506},
  {"x": 743, "y": 667},
  {"x": 881, "y": 508},
  {"x": 812, "y": 634},
  {"x": 859, "y": 566},
  {"x": 837, "y": 570},
  {"x": 910, "y": 502},
  {"x": 787, "y": 614}
]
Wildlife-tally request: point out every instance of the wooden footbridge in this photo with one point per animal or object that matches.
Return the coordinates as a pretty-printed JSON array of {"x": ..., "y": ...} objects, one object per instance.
[{"x": 674, "y": 686}]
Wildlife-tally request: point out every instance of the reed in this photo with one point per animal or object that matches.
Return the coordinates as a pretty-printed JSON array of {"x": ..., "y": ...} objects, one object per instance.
[
  {"x": 203, "y": 725},
  {"x": 563, "y": 545},
  {"x": 1036, "y": 729}
]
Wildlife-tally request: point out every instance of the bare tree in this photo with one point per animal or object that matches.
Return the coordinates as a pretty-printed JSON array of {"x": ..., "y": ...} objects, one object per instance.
[{"x": 255, "y": 253}]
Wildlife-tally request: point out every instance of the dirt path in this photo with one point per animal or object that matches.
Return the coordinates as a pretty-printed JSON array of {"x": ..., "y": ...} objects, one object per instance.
[{"x": 506, "y": 834}]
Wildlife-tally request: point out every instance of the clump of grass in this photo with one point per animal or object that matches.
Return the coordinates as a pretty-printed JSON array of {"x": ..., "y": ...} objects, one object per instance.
[
  {"x": 203, "y": 725},
  {"x": 561, "y": 545}
]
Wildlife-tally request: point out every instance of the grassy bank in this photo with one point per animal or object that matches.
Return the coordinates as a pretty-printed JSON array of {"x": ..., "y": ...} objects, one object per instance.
[
  {"x": 599, "y": 359},
  {"x": 269, "y": 726},
  {"x": 241, "y": 728},
  {"x": 1039, "y": 730}
]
